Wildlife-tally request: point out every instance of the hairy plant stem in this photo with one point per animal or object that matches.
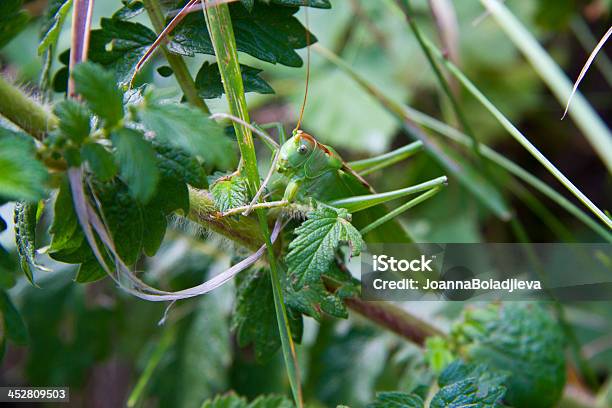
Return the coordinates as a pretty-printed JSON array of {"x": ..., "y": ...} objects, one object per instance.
[
  {"x": 24, "y": 111},
  {"x": 177, "y": 63},
  {"x": 244, "y": 230}
]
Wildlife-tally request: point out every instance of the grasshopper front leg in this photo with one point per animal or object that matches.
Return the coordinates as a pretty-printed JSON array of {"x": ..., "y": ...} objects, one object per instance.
[{"x": 288, "y": 197}]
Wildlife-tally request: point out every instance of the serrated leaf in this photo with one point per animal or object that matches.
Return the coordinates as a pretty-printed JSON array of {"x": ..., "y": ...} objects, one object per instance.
[
  {"x": 230, "y": 192},
  {"x": 123, "y": 217},
  {"x": 137, "y": 163},
  {"x": 90, "y": 271},
  {"x": 522, "y": 339},
  {"x": 25, "y": 237},
  {"x": 232, "y": 400},
  {"x": 318, "y": 238},
  {"x": 268, "y": 33},
  {"x": 118, "y": 45},
  {"x": 12, "y": 20},
  {"x": 74, "y": 120},
  {"x": 177, "y": 163},
  {"x": 209, "y": 85},
  {"x": 14, "y": 327},
  {"x": 312, "y": 299},
  {"x": 464, "y": 385},
  {"x": 254, "y": 318},
  {"x": 187, "y": 128},
  {"x": 130, "y": 10},
  {"x": 22, "y": 176},
  {"x": 54, "y": 18},
  {"x": 97, "y": 86},
  {"x": 324, "y": 4},
  {"x": 271, "y": 401},
  {"x": 101, "y": 161},
  {"x": 396, "y": 399}
]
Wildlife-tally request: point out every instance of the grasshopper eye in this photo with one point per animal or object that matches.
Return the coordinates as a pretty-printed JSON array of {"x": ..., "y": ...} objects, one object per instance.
[{"x": 302, "y": 149}]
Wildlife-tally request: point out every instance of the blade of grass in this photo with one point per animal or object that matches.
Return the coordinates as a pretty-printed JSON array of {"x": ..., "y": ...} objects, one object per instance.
[
  {"x": 222, "y": 35},
  {"x": 581, "y": 112},
  {"x": 158, "y": 352},
  {"x": 454, "y": 134},
  {"x": 519, "y": 137},
  {"x": 586, "y": 67},
  {"x": 589, "y": 42},
  {"x": 454, "y": 164}
]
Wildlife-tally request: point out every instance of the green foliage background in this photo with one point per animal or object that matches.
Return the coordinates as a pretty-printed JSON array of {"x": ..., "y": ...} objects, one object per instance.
[{"x": 107, "y": 345}]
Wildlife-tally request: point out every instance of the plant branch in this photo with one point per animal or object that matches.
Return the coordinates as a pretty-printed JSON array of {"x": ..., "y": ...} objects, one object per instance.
[
  {"x": 177, "y": 63},
  {"x": 24, "y": 111}
]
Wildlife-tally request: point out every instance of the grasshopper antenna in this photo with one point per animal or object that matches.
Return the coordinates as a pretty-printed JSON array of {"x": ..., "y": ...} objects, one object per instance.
[
  {"x": 297, "y": 127},
  {"x": 299, "y": 122}
]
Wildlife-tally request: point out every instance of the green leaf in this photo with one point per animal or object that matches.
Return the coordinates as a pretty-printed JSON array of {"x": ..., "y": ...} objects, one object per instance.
[
  {"x": 208, "y": 81},
  {"x": 137, "y": 162},
  {"x": 130, "y": 10},
  {"x": 54, "y": 18},
  {"x": 90, "y": 271},
  {"x": 74, "y": 120},
  {"x": 101, "y": 161},
  {"x": 25, "y": 237},
  {"x": 313, "y": 298},
  {"x": 324, "y": 4},
  {"x": 396, "y": 399},
  {"x": 14, "y": 327},
  {"x": 232, "y": 400},
  {"x": 187, "y": 128},
  {"x": 118, "y": 45},
  {"x": 268, "y": 33},
  {"x": 177, "y": 163},
  {"x": 156, "y": 229},
  {"x": 12, "y": 20},
  {"x": 123, "y": 216},
  {"x": 22, "y": 176},
  {"x": 254, "y": 318},
  {"x": 522, "y": 339},
  {"x": 97, "y": 86},
  {"x": 65, "y": 224},
  {"x": 312, "y": 251},
  {"x": 463, "y": 385},
  {"x": 230, "y": 192}
]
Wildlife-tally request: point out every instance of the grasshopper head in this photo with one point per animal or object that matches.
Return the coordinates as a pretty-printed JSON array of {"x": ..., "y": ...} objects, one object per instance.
[{"x": 294, "y": 152}]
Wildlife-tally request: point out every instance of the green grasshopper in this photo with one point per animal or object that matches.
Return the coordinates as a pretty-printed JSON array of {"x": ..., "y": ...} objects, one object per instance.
[{"x": 316, "y": 171}]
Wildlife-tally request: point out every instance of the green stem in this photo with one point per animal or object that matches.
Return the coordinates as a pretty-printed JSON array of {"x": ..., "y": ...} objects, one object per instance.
[
  {"x": 24, "y": 111},
  {"x": 408, "y": 13},
  {"x": 177, "y": 63},
  {"x": 585, "y": 117},
  {"x": 223, "y": 40},
  {"x": 164, "y": 343}
]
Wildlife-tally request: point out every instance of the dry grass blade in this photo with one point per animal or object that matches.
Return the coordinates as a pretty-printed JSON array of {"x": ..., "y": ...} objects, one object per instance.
[{"x": 586, "y": 67}]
